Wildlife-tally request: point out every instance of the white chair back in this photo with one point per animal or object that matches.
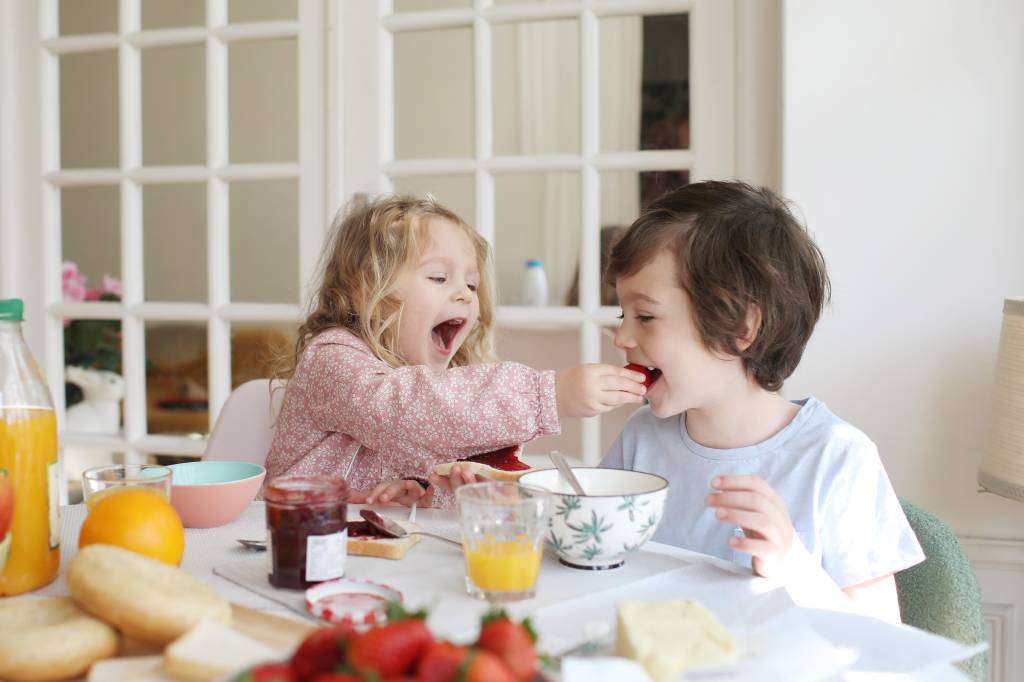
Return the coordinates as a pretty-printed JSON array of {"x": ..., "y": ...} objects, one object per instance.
[{"x": 245, "y": 427}]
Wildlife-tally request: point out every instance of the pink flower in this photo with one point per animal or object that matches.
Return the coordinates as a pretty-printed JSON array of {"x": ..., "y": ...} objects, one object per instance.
[
  {"x": 73, "y": 282},
  {"x": 112, "y": 285},
  {"x": 93, "y": 294}
]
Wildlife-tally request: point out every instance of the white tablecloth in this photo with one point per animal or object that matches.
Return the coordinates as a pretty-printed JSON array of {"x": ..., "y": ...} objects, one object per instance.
[{"x": 572, "y": 605}]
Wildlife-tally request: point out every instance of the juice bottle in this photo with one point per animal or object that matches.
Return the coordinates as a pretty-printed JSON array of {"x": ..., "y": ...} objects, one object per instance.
[{"x": 28, "y": 463}]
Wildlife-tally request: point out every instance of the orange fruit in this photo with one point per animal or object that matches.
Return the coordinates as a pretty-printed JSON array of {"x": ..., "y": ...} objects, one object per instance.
[{"x": 136, "y": 520}]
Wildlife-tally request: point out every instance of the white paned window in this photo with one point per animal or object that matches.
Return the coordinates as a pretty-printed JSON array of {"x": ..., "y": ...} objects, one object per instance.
[
  {"x": 195, "y": 151},
  {"x": 547, "y": 125},
  {"x": 183, "y": 155}
]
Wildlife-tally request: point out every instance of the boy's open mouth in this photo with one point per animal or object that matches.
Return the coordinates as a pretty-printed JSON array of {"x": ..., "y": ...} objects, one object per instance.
[{"x": 443, "y": 335}]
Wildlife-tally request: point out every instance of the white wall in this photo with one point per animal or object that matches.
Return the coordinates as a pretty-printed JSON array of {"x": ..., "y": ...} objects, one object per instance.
[{"x": 904, "y": 148}]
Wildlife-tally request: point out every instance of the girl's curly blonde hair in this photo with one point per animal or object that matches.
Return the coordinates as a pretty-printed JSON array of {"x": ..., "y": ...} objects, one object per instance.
[{"x": 369, "y": 244}]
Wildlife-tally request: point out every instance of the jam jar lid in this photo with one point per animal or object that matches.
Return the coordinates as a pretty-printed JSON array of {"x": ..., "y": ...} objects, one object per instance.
[{"x": 306, "y": 490}]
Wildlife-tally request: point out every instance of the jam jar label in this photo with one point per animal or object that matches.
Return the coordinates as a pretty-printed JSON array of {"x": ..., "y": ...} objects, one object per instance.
[{"x": 325, "y": 556}]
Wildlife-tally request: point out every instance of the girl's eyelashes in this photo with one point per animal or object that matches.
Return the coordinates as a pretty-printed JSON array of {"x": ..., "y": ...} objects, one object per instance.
[
  {"x": 438, "y": 279},
  {"x": 641, "y": 317}
]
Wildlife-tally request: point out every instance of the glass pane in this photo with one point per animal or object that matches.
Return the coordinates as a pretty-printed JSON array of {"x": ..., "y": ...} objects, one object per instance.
[
  {"x": 548, "y": 349},
  {"x": 613, "y": 422},
  {"x": 425, "y": 5},
  {"x": 174, "y": 242},
  {"x": 537, "y": 217},
  {"x": 87, "y": 16},
  {"x": 176, "y": 378},
  {"x": 536, "y": 84},
  {"x": 625, "y": 193},
  {"x": 90, "y": 239},
  {"x": 256, "y": 346},
  {"x": 455, "y": 192},
  {"x": 158, "y": 14},
  {"x": 434, "y": 93},
  {"x": 88, "y": 110},
  {"x": 263, "y": 101},
  {"x": 174, "y": 106},
  {"x": 265, "y": 241},
  {"x": 644, "y": 82},
  {"x": 261, "y": 10}
]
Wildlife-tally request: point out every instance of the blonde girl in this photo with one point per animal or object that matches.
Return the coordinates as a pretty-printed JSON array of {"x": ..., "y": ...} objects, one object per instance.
[{"x": 393, "y": 370}]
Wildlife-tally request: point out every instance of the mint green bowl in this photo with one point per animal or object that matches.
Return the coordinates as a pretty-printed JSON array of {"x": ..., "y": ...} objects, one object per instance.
[{"x": 212, "y": 493}]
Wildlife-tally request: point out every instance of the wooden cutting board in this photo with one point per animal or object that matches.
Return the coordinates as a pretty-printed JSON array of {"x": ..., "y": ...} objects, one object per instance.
[{"x": 275, "y": 631}]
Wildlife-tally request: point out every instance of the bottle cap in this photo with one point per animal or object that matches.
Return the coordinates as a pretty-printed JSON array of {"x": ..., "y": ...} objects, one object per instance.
[
  {"x": 11, "y": 310},
  {"x": 534, "y": 263}
]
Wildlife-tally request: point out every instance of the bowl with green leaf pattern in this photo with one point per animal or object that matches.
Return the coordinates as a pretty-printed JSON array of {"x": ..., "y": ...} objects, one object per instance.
[{"x": 618, "y": 514}]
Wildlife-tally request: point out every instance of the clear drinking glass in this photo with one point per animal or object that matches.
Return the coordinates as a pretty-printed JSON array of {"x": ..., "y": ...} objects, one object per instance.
[
  {"x": 100, "y": 482},
  {"x": 503, "y": 525}
]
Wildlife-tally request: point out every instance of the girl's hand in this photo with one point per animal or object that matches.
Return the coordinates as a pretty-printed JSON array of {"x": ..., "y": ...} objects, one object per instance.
[
  {"x": 748, "y": 502},
  {"x": 455, "y": 478},
  {"x": 592, "y": 389},
  {"x": 401, "y": 492}
]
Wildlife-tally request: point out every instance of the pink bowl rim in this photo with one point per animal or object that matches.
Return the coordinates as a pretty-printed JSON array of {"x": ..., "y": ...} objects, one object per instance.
[{"x": 210, "y": 485}]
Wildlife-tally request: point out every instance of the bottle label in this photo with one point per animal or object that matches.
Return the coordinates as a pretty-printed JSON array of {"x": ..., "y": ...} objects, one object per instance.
[
  {"x": 326, "y": 556},
  {"x": 53, "y": 502}
]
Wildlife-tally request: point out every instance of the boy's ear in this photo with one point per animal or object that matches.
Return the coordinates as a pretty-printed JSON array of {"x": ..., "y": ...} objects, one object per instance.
[{"x": 753, "y": 327}]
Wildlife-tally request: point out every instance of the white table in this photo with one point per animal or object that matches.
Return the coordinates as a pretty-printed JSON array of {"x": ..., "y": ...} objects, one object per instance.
[{"x": 567, "y": 599}]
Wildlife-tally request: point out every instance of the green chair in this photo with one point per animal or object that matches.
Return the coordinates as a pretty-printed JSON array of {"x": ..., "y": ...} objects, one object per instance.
[{"x": 941, "y": 593}]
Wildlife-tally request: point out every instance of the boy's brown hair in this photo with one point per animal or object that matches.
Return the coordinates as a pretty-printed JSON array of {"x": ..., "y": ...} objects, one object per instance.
[{"x": 735, "y": 246}]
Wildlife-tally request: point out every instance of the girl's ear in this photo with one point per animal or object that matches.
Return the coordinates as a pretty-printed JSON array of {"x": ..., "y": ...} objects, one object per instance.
[{"x": 753, "y": 327}]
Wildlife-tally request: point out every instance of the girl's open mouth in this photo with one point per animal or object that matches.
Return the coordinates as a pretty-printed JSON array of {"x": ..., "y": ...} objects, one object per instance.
[{"x": 443, "y": 335}]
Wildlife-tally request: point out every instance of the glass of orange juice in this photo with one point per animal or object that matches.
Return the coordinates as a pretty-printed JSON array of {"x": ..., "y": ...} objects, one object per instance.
[
  {"x": 100, "y": 482},
  {"x": 503, "y": 525}
]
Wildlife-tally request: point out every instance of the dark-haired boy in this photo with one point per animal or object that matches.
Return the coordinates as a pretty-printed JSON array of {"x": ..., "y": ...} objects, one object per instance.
[{"x": 720, "y": 289}]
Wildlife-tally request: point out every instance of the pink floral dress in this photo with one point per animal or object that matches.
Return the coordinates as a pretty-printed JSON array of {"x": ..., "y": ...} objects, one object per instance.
[{"x": 347, "y": 413}]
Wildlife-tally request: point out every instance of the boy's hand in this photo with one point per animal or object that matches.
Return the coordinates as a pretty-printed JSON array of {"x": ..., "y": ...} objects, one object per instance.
[
  {"x": 401, "y": 492},
  {"x": 592, "y": 389},
  {"x": 750, "y": 503},
  {"x": 455, "y": 478}
]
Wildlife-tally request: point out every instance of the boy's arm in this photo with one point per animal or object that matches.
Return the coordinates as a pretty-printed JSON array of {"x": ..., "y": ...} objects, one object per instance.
[
  {"x": 453, "y": 413},
  {"x": 877, "y": 598}
]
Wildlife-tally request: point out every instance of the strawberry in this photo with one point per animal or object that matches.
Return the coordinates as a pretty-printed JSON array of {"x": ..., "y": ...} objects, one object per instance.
[
  {"x": 272, "y": 672},
  {"x": 391, "y": 649},
  {"x": 335, "y": 677},
  {"x": 320, "y": 652},
  {"x": 650, "y": 375},
  {"x": 511, "y": 642},
  {"x": 487, "y": 667},
  {"x": 440, "y": 662}
]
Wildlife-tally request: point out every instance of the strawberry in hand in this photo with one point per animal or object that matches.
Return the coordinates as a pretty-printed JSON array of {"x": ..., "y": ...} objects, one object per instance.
[
  {"x": 650, "y": 375},
  {"x": 511, "y": 642}
]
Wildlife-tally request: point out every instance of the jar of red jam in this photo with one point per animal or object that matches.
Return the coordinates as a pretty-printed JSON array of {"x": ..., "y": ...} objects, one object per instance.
[{"x": 306, "y": 530}]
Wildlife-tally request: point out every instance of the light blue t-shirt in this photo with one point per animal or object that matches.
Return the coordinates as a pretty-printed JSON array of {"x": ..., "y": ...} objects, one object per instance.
[{"x": 828, "y": 473}]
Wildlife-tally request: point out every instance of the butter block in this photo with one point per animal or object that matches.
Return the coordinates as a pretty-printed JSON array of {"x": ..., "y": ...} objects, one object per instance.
[{"x": 668, "y": 637}]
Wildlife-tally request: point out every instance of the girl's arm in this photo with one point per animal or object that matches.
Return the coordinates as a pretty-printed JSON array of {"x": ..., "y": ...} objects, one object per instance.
[{"x": 457, "y": 412}]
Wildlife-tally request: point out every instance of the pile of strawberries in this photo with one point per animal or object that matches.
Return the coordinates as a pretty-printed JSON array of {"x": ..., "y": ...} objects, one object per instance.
[{"x": 404, "y": 649}]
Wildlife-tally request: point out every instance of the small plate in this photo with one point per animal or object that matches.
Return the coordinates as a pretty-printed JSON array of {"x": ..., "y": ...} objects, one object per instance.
[{"x": 360, "y": 603}]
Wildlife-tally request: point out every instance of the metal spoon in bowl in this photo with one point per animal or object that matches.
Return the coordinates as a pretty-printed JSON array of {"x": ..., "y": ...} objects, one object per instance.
[
  {"x": 566, "y": 471},
  {"x": 390, "y": 529}
]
